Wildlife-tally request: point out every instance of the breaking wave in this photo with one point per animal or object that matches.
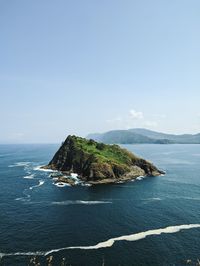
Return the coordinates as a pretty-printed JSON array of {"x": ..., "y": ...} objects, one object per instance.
[
  {"x": 38, "y": 168},
  {"x": 110, "y": 242}
]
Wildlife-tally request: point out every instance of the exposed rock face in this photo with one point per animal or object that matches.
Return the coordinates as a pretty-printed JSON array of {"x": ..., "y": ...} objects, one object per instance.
[{"x": 99, "y": 163}]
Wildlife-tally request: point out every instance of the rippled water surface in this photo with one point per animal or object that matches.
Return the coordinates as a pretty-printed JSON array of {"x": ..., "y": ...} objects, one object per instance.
[{"x": 152, "y": 221}]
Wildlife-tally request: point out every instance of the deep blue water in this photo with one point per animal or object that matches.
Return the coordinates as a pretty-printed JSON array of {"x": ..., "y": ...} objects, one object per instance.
[{"x": 35, "y": 215}]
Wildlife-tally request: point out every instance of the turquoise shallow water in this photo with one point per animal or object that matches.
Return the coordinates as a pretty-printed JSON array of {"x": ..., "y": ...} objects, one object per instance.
[{"x": 36, "y": 217}]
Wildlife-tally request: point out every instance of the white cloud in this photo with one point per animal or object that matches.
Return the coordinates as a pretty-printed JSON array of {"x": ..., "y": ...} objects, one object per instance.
[
  {"x": 136, "y": 114},
  {"x": 134, "y": 119}
]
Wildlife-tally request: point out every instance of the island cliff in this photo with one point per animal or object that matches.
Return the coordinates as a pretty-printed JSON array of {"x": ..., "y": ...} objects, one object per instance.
[{"x": 98, "y": 163}]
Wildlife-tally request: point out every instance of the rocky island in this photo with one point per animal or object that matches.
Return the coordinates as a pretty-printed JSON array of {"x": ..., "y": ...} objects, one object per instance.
[{"x": 98, "y": 163}]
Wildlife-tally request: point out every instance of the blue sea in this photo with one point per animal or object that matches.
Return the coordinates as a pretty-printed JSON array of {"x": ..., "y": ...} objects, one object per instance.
[{"x": 151, "y": 221}]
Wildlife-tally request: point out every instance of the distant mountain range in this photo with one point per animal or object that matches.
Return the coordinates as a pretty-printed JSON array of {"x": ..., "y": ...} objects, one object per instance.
[{"x": 142, "y": 135}]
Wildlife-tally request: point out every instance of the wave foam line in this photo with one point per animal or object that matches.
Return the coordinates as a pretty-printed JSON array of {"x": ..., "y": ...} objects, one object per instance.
[
  {"x": 70, "y": 202},
  {"x": 20, "y": 164},
  {"x": 30, "y": 176},
  {"x": 41, "y": 182},
  {"x": 110, "y": 242},
  {"x": 139, "y": 236},
  {"x": 26, "y": 194},
  {"x": 36, "y": 253}
]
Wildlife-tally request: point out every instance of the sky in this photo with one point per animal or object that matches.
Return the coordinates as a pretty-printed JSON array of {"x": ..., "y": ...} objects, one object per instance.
[{"x": 78, "y": 67}]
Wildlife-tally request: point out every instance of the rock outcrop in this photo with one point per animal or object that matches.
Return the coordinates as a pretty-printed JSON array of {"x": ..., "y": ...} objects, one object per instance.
[{"x": 99, "y": 163}]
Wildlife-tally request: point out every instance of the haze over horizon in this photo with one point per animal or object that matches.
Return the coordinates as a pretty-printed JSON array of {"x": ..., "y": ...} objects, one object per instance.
[{"x": 79, "y": 67}]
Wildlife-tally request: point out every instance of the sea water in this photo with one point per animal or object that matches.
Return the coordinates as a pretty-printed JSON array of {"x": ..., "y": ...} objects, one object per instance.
[{"x": 151, "y": 221}]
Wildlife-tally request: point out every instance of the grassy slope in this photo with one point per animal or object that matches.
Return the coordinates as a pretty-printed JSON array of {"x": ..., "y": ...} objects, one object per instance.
[{"x": 105, "y": 153}]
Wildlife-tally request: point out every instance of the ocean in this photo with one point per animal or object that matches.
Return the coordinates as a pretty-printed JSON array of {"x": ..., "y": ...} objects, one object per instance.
[{"x": 149, "y": 221}]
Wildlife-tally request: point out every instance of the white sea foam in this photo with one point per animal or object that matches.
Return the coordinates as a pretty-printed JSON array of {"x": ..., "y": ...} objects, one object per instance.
[
  {"x": 31, "y": 176},
  {"x": 38, "y": 168},
  {"x": 79, "y": 202},
  {"x": 1, "y": 255},
  {"x": 20, "y": 164},
  {"x": 191, "y": 198},
  {"x": 26, "y": 194},
  {"x": 152, "y": 199},
  {"x": 120, "y": 182},
  {"x": 26, "y": 198},
  {"x": 183, "y": 198},
  {"x": 141, "y": 177},
  {"x": 74, "y": 175},
  {"x": 41, "y": 182},
  {"x": 78, "y": 182},
  {"x": 62, "y": 184},
  {"x": 86, "y": 184},
  {"x": 139, "y": 236},
  {"x": 93, "y": 202},
  {"x": 36, "y": 253},
  {"x": 156, "y": 199},
  {"x": 109, "y": 243}
]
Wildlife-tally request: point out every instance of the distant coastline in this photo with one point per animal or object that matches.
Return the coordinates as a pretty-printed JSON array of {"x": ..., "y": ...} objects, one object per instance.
[{"x": 143, "y": 136}]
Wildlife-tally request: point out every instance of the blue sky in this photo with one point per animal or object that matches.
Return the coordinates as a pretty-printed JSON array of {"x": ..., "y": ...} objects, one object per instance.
[{"x": 76, "y": 67}]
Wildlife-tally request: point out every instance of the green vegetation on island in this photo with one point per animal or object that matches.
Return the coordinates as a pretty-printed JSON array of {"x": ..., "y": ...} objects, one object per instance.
[{"x": 99, "y": 163}]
